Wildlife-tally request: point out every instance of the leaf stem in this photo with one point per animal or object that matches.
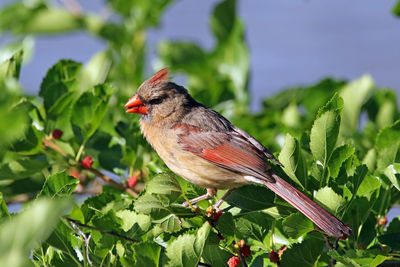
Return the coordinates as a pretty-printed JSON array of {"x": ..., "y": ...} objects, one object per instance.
[{"x": 80, "y": 151}]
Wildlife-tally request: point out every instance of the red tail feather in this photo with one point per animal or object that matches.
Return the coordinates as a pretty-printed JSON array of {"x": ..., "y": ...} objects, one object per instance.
[{"x": 322, "y": 218}]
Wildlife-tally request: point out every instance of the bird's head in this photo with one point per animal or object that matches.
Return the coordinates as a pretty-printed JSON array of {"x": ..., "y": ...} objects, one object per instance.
[{"x": 158, "y": 99}]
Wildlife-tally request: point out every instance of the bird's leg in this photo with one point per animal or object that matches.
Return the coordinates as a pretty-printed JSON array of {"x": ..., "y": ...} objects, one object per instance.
[
  {"x": 210, "y": 193},
  {"x": 223, "y": 198}
]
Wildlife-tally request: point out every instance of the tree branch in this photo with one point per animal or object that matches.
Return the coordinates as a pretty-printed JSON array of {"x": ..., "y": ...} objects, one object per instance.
[
  {"x": 72, "y": 221},
  {"x": 105, "y": 178}
]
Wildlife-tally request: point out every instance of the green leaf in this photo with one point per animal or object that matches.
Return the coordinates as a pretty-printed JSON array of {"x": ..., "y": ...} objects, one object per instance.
[
  {"x": 325, "y": 129},
  {"x": 169, "y": 224},
  {"x": 4, "y": 213},
  {"x": 252, "y": 197},
  {"x": 339, "y": 156},
  {"x": 58, "y": 80},
  {"x": 213, "y": 254},
  {"x": 393, "y": 173},
  {"x": 387, "y": 145},
  {"x": 22, "y": 168},
  {"x": 28, "y": 229},
  {"x": 164, "y": 184},
  {"x": 136, "y": 224},
  {"x": 184, "y": 56},
  {"x": 11, "y": 67},
  {"x": 329, "y": 199},
  {"x": 303, "y": 254},
  {"x": 354, "y": 95},
  {"x": 368, "y": 185},
  {"x": 255, "y": 225},
  {"x": 296, "y": 225},
  {"x": 396, "y": 9},
  {"x": 292, "y": 159},
  {"x": 59, "y": 185},
  {"x": 394, "y": 226},
  {"x": 147, "y": 254},
  {"x": 357, "y": 258},
  {"x": 226, "y": 225},
  {"x": 151, "y": 205},
  {"x": 223, "y": 19},
  {"x": 90, "y": 109},
  {"x": 187, "y": 249}
]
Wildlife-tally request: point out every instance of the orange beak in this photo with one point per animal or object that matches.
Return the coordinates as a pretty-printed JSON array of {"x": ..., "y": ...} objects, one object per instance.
[{"x": 135, "y": 105}]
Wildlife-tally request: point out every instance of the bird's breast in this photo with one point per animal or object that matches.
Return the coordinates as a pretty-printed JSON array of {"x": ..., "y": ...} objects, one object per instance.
[{"x": 187, "y": 165}]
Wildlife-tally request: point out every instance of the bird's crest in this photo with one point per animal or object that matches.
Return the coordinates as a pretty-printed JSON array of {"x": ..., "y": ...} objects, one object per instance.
[{"x": 159, "y": 77}]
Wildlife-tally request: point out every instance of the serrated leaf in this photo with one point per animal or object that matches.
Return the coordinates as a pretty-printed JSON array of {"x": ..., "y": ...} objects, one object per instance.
[
  {"x": 387, "y": 145},
  {"x": 328, "y": 198},
  {"x": 59, "y": 79},
  {"x": 325, "y": 130},
  {"x": 292, "y": 160},
  {"x": 213, "y": 253},
  {"x": 339, "y": 156},
  {"x": 130, "y": 220},
  {"x": 226, "y": 225},
  {"x": 169, "y": 224},
  {"x": 90, "y": 109},
  {"x": 59, "y": 185},
  {"x": 151, "y": 205},
  {"x": 393, "y": 173},
  {"x": 251, "y": 198},
  {"x": 303, "y": 254},
  {"x": 368, "y": 185},
  {"x": 296, "y": 225},
  {"x": 187, "y": 249},
  {"x": 147, "y": 254},
  {"x": 164, "y": 184},
  {"x": 357, "y": 258},
  {"x": 354, "y": 95},
  {"x": 254, "y": 224}
]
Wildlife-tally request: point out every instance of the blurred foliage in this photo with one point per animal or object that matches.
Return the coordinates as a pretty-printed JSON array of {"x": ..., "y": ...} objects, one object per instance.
[{"x": 339, "y": 142}]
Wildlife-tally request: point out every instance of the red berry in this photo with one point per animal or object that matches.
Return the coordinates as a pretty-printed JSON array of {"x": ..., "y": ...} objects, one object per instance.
[
  {"x": 245, "y": 250},
  {"x": 132, "y": 181},
  {"x": 233, "y": 261},
  {"x": 56, "y": 134},
  {"x": 274, "y": 257},
  {"x": 382, "y": 221},
  {"x": 87, "y": 162}
]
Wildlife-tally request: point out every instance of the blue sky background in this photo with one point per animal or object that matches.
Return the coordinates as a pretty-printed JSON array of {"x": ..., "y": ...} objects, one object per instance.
[{"x": 291, "y": 43}]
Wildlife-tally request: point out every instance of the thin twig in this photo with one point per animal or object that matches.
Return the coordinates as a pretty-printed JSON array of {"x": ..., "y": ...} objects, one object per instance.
[
  {"x": 107, "y": 179},
  {"x": 101, "y": 230},
  {"x": 53, "y": 146},
  {"x": 86, "y": 240},
  {"x": 242, "y": 260}
]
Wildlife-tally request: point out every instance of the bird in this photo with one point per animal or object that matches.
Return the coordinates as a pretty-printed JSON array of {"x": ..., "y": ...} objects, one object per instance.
[{"x": 206, "y": 149}]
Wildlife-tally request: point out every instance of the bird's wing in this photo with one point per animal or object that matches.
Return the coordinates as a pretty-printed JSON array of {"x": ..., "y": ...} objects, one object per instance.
[{"x": 229, "y": 150}]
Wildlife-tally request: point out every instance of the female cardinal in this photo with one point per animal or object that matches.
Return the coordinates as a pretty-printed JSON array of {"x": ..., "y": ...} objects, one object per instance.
[{"x": 204, "y": 148}]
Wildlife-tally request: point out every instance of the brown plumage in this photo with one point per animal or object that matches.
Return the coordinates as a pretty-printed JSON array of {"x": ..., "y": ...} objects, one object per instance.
[{"x": 204, "y": 148}]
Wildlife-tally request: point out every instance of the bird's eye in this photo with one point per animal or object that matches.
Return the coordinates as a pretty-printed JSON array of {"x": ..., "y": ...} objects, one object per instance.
[{"x": 155, "y": 101}]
